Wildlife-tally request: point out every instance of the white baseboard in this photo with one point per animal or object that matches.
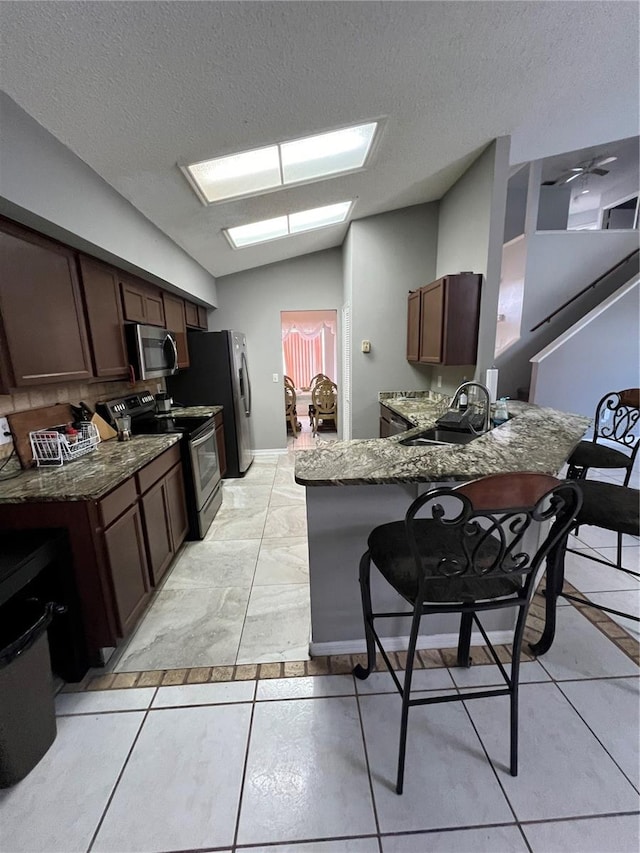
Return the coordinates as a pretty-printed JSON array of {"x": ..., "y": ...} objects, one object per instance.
[
  {"x": 277, "y": 451},
  {"x": 399, "y": 644}
]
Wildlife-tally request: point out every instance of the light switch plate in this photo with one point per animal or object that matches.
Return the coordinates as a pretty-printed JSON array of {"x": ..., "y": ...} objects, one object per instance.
[
  {"x": 366, "y": 346},
  {"x": 4, "y": 427},
  {"x": 275, "y": 377}
]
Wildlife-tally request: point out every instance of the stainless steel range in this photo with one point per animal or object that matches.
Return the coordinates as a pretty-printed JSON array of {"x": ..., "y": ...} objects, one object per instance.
[{"x": 198, "y": 448}]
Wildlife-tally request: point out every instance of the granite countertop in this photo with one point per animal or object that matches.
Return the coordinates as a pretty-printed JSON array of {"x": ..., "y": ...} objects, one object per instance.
[
  {"x": 535, "y": 439},
  {"x": 87, "y": 478},
  {"x": 195, "y": 411}
]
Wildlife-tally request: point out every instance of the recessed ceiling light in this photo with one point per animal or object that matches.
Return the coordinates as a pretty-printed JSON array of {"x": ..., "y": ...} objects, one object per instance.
[
  {"x": 292, "y": 223},
  {"x": 275, "y": 166}
]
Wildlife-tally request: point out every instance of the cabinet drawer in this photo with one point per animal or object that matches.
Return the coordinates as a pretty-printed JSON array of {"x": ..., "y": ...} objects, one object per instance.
[
  {"x": 118, "y": 501},
  {"x": 152, "y": 472}
]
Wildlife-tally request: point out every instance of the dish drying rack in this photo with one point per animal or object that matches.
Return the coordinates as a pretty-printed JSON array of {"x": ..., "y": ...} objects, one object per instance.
[{"x": 51, "y": 447}]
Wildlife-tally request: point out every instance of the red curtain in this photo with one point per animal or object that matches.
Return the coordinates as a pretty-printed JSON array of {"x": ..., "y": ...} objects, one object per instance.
[{"x": 302, "y": 358}]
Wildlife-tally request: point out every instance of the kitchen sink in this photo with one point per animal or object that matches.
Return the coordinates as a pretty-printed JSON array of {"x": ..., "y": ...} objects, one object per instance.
[{"x": 437, "y": 435}]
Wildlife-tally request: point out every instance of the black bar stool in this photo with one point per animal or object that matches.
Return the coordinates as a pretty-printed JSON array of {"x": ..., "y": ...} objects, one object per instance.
[
  {"x": 466, "y": 556},
  {"x": 604, "y": 505}
]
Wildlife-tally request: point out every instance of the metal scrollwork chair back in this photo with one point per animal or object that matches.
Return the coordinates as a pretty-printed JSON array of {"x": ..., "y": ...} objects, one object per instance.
[
  {"x": 617, "y": 421},
  {"x": 470, "y": 549}
]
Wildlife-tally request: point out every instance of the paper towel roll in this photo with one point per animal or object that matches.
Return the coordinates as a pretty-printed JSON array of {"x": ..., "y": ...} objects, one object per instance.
[{"x": 491, "y": 381}]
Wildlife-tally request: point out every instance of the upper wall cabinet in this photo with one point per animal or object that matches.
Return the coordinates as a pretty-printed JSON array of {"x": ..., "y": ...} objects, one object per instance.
[
  {"x": 443, "y": 317},
  {"x": 43, "y": 335},
  {"x": 175, "y": 322},
  {"x": 101, "y": 290},
  {"x": 196, "y": 315},
  {"x": 142, "y": 303}
]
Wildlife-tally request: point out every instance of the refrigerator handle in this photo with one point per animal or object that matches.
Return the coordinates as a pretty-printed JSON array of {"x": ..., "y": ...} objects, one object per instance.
[{"x": 247, "y": 405}]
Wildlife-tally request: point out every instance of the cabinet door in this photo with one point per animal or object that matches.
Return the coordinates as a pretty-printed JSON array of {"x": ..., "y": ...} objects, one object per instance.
[
  {"x": 202, "y": 317},
  {"x": 104, "y": 314},
  {"x": 45, "y": 335},
  {"x": 413, "y": 326},
  {"x": 134, "y": 303},
  {"x": 177, "y": 506},
  {"x": 155, "y": 511},
  {"x": 462, "y": 316},
  {"x": 128, "y": 564},
  {"x": 222, "y": 456},
  {"x": 191, "y": 314},
  {"x": 155, "y": 308},
  {"x": 431, "y": 322},
  {"x": 175, "y": 322}
]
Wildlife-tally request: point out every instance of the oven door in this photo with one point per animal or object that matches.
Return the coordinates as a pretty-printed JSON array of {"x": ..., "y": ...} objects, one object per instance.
[{"x": 204, "y": 464}]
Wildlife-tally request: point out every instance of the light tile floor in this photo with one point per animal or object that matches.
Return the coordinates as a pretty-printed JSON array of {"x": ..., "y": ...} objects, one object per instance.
[
  {"x": 242, "y": 594},
  {"x": 307, "y": 765}
]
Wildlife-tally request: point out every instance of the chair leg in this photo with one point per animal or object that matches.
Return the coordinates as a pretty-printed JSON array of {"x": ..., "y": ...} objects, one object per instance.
[
  {"x": 367, "y": 611},
  {"x": 406, "y": 694},
  {"x": 515, "y": 677},
  {"x": 464, "y": 640},
  {"x": 555, "y": 581}
]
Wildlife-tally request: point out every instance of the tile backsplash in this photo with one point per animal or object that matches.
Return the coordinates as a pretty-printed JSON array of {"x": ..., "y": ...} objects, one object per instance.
[{"x": 72, "y": 392}]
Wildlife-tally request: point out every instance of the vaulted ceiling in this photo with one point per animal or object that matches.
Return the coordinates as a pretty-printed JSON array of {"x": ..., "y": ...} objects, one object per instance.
[{"x": 135, "y": 88}]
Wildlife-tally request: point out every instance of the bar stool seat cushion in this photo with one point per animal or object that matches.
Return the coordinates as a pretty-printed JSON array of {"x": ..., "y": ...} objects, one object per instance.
[
  {"x": 391, "y": 553},
  {"x": 588, "y": 454},
  {"x": 609, "y": 506}
]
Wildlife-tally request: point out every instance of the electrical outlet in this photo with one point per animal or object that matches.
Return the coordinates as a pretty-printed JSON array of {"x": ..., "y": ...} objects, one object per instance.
[
  {"x": 4, "y": 428},
  {"x": 275, "y": 377},
  {"x": 366, "y": 346},
  {"x": 439, "y": 381}
]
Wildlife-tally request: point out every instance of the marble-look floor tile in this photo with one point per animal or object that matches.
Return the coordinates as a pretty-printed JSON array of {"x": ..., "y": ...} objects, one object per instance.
[
  {"x": 245, "y": 496},
  {"x": 564, "y": 771},
  {"x": 181, "y": 786},
  {"x": 218, "y": 693},
  {"x": 59, "y": 804},
  {"x": 315, "y": 783},
  {"x": 444, "y": 756},
  {"x": 235, "y": 524},
  {"x": 580, "y": 650},
  {"x": 345, "y": 845},
  {"x": 259, "y": 475},
  {"x": 224, "y": 563},
  {"x": 627, "y": 602},
  {"x": 185, "y": 628},
  {"x": 277, "y": 624},
  {"x": 282, "y": 561},
  {"x": 589, "y": 576},
  {"x": 422, "y": 679},
  {"x": 617, "y": 834},
  {"x": 285, "y": 521},
  {"x": 492, "y": 839},
  {"x": 602, "y": 701},
  {"x": 288, "y": 494},
  {"x": 284, "y": 477},
  {"x": 598, "y": 537},
  {"x": 489, "y": 674},
  {"x": 305, "y": 687},
  {"x": 101, "y": 701}
]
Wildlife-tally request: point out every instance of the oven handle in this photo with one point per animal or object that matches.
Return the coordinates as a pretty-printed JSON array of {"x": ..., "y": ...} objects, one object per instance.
[{"x": 202, "y": 440}]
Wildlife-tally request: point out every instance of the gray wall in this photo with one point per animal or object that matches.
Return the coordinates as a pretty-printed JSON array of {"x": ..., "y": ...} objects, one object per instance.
[
  {"x": 251, "y": 302},
  {"x": 558, "y": 266},
  {"x": 577, "y": 374},
  {"x": 553, "y": 207},
  {"x": 44, "y": 185},
  {"x": 516, "y": 210},
  {"x": 470, "y": 235},
  {"x": 388, "y": 255}
]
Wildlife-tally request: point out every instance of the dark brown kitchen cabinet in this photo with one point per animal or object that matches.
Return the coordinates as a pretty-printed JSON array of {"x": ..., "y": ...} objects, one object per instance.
[
  {"x": 124, "y": 541},
  {"x": 101, "y": 290},
  {"x": 156, "y": 522},
  {"x": 141, "y": 302},
  {"x": 195, "y": 315},
  {"x": 175, "y": 322},
  {"x": 446, "y": 322},
  {"x": 222, "y": 456},
  {"x": 43, "y": 334},
  {"x": 177, "y": 504}
]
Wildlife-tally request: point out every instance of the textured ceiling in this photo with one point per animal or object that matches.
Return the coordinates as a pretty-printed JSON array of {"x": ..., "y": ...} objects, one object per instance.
[{"x": 133, "y": 88}]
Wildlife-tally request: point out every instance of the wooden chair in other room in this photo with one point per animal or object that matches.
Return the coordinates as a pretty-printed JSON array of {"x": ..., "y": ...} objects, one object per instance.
[
  {"x": 617, "y": 422},
  {"x": 290, "y": 411},
  {"x": 324, "y": 400},
  {"x": 319, "y": 377},
  {"x": 462, "y": 550}
]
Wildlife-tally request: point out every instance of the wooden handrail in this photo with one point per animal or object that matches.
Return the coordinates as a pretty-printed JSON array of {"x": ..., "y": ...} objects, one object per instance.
[{"x": 584, "y": 289}]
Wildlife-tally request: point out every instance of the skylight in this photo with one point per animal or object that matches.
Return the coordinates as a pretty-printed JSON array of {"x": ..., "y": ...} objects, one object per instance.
[
  {"x": 294, "y": 162},
  {"x": 284, "y": 226}
]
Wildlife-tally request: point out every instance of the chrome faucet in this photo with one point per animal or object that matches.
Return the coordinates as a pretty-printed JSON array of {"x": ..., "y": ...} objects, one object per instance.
[{"x": 487, "y": 402}]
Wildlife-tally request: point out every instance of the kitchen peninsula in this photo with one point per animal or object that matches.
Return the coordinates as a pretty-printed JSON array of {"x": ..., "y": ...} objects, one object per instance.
[{"x": 353, "y": 486}]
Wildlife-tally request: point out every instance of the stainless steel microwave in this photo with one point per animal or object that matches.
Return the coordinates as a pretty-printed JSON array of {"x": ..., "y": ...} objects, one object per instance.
[{"x": 153, "y": 351}]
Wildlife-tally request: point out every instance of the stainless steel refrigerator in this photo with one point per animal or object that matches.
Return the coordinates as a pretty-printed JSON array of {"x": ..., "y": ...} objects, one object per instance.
[{"x": 219, "y": 374}]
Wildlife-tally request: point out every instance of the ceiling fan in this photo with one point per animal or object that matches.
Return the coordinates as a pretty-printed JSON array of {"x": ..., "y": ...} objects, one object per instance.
[{"x": 589, "y": 167}]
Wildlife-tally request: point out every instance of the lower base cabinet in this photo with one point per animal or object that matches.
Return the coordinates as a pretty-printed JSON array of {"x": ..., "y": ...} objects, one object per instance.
[
  {"x": 125, "y": 547},
  {"x": 165, "y": 521}
]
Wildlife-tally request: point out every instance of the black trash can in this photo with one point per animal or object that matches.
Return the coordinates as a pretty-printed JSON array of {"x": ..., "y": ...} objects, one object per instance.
[{"x": 27, "y": 707}]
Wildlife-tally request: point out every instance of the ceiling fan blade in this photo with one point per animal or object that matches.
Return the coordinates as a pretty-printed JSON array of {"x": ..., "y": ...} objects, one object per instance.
[
  {"x": 600, "y": 172},
  {"x": 565, "y": 178}
]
